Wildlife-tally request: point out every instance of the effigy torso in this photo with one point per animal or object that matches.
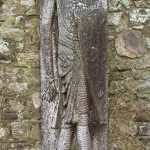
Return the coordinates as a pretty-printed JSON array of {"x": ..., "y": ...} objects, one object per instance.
[{"x": 69, "y": 60}]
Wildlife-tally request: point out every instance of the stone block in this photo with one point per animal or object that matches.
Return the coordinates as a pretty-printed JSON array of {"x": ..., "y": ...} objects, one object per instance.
[
  {"x": 114, "y": 18},
  {"x": 139, "y": 15},
  {"x": 25, "y": 130},
  {"x": 36, "y": 100},
  {"x": 116, "y": 5},
  {"x": 20, "y": 145},
  {"x": 142, "y": 4},
  {"x": 142, "y": 108},
  {"x": 4, "y": 133},
  {"x": 8, "y": 116},
  {"x": 29, "y": 60},
  {"x": 130, "y": 43},
  {"x": 14, "y": 34},
  {"x": 144, "y": 131}
]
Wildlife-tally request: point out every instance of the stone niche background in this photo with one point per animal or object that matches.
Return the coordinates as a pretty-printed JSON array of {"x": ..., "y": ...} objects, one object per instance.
[
  {"x": 19, "y": 76},
  {"x": 128, "y": 75}
]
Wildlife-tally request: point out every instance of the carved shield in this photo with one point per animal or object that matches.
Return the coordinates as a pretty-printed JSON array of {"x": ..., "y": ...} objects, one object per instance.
[{"x": 92, "y": 40}]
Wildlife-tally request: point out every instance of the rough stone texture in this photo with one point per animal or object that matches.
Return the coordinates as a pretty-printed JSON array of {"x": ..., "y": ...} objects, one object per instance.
[
  {"x": 128, "y": 79},
  {"x": 19, "y": 75},
  {"x": 129, "y": 75},
  {"x": 130, "y": 43}
]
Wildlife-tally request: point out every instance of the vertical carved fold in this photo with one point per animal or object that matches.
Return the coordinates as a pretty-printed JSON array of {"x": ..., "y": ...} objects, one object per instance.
[
  {"x": 83, "y": 137},
  {"x": 49, "y": 110},
  {"x": 65, "y": 139}
]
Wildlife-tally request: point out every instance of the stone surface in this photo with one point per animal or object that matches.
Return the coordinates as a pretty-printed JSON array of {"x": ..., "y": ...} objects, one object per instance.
[
  {"x": 116, "y": 5},
  {"x": 25, "y": 130},
  {"x": 139, "y": 15},
  {"x": 36, "y": 100},
  {"x": 2, "y": 133},
  {"x": 148, "y": 42},
  {"x": 144, "y": 129},
  {"x": 19, "y": 75},
  {"x": 4, "y": 46},
  {"x": 128, "y": 85},
  {"x": 14, "y": 34},
  {"x": 28, "y": 60},
  {"x": 129, "y": 76},
  {"x": 130, "y": 43},
  {"x": 8, "y": 116},
  {"x": 114, "y": 18}
]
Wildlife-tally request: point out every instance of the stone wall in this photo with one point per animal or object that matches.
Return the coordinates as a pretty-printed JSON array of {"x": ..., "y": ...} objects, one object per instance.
[
  {"x": 129, "y": 74},
  {"x": 19, "y": 76}
]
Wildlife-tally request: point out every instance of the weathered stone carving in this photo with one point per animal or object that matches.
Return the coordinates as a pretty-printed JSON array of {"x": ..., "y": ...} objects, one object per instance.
[{"x": 73, "y": 84}]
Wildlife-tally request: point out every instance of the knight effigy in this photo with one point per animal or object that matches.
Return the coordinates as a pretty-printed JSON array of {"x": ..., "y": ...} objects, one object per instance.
[{"x": 73, "y": 74}]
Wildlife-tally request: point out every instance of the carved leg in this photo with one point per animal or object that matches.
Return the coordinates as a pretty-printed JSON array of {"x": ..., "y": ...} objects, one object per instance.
[
  {"x": 83, "y": 134},
  {"x": 65, "y": 138}
]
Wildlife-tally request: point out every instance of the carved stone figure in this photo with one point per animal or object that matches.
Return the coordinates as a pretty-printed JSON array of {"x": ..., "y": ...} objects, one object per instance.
[{"x": 73, "y": 70}]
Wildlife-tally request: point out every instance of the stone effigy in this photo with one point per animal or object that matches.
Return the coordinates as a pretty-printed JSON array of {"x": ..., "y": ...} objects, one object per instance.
[{"x": 73, "y": 74}]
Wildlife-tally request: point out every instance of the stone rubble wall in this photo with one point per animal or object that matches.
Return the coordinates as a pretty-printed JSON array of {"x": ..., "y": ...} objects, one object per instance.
[
  {"x": 129, "y": 74},
  {"x": 19, "y": 76}
]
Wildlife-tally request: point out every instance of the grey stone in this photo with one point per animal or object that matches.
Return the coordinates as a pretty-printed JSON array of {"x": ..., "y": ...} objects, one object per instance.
[
  {"x": 2, "y": 133},
  {"x": 123, "y": 63},
  {"x": 142, "y": 4},
  {"x": 136, "y": 15},
  {"x": 130, "y": 43},
  {"x": 18, "y": 87},
  {"x": 8, "y": 116},
  {"x": 28, "y": 3},
  {"x": 25, "y": 130},
  {"x": 144, "y": 129},
  {"x": 14, "y": 34},
  {"x": 115, "y": 5},
  {"x": 114, "y": 18},
  {"x": 148, "y": 42},
  {"x": 4, "y": 46}
]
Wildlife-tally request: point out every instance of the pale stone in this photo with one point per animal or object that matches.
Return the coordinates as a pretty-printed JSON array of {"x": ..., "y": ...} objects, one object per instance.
[
  {"x": 148, "y": 42},
  {"x": 19, "y": 130},
  {"x": 20, "y": 46},
  {"x": 140, "y": 27},
  {"x": 130, "y": 43},
  {"x": 142, "y": 3},
  {"x": 6, "y": 10},
  {"x": 2, "y": 132},
  {"x": 137, "y": 16},
  {"x": 126, "y": 3},
  {"x": 114, "y": 18},
  {"x": 31, "y": 12},
  {"x": 115, "y": 5},
  {"x": 4, "y": 46},
  {"x": 28, "y": 3},
  {"x": 28, "y": 59},
  {"x": 19, "y": 19},
  {"x": 36, "y": 100},
  {"x": 1, "y": 84},
  {"x": 17, "y": 106},
  {"x": 25, "y": 130},
  {"x": 14, "y": 34},
  {"x": 18, "y": 87}
]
